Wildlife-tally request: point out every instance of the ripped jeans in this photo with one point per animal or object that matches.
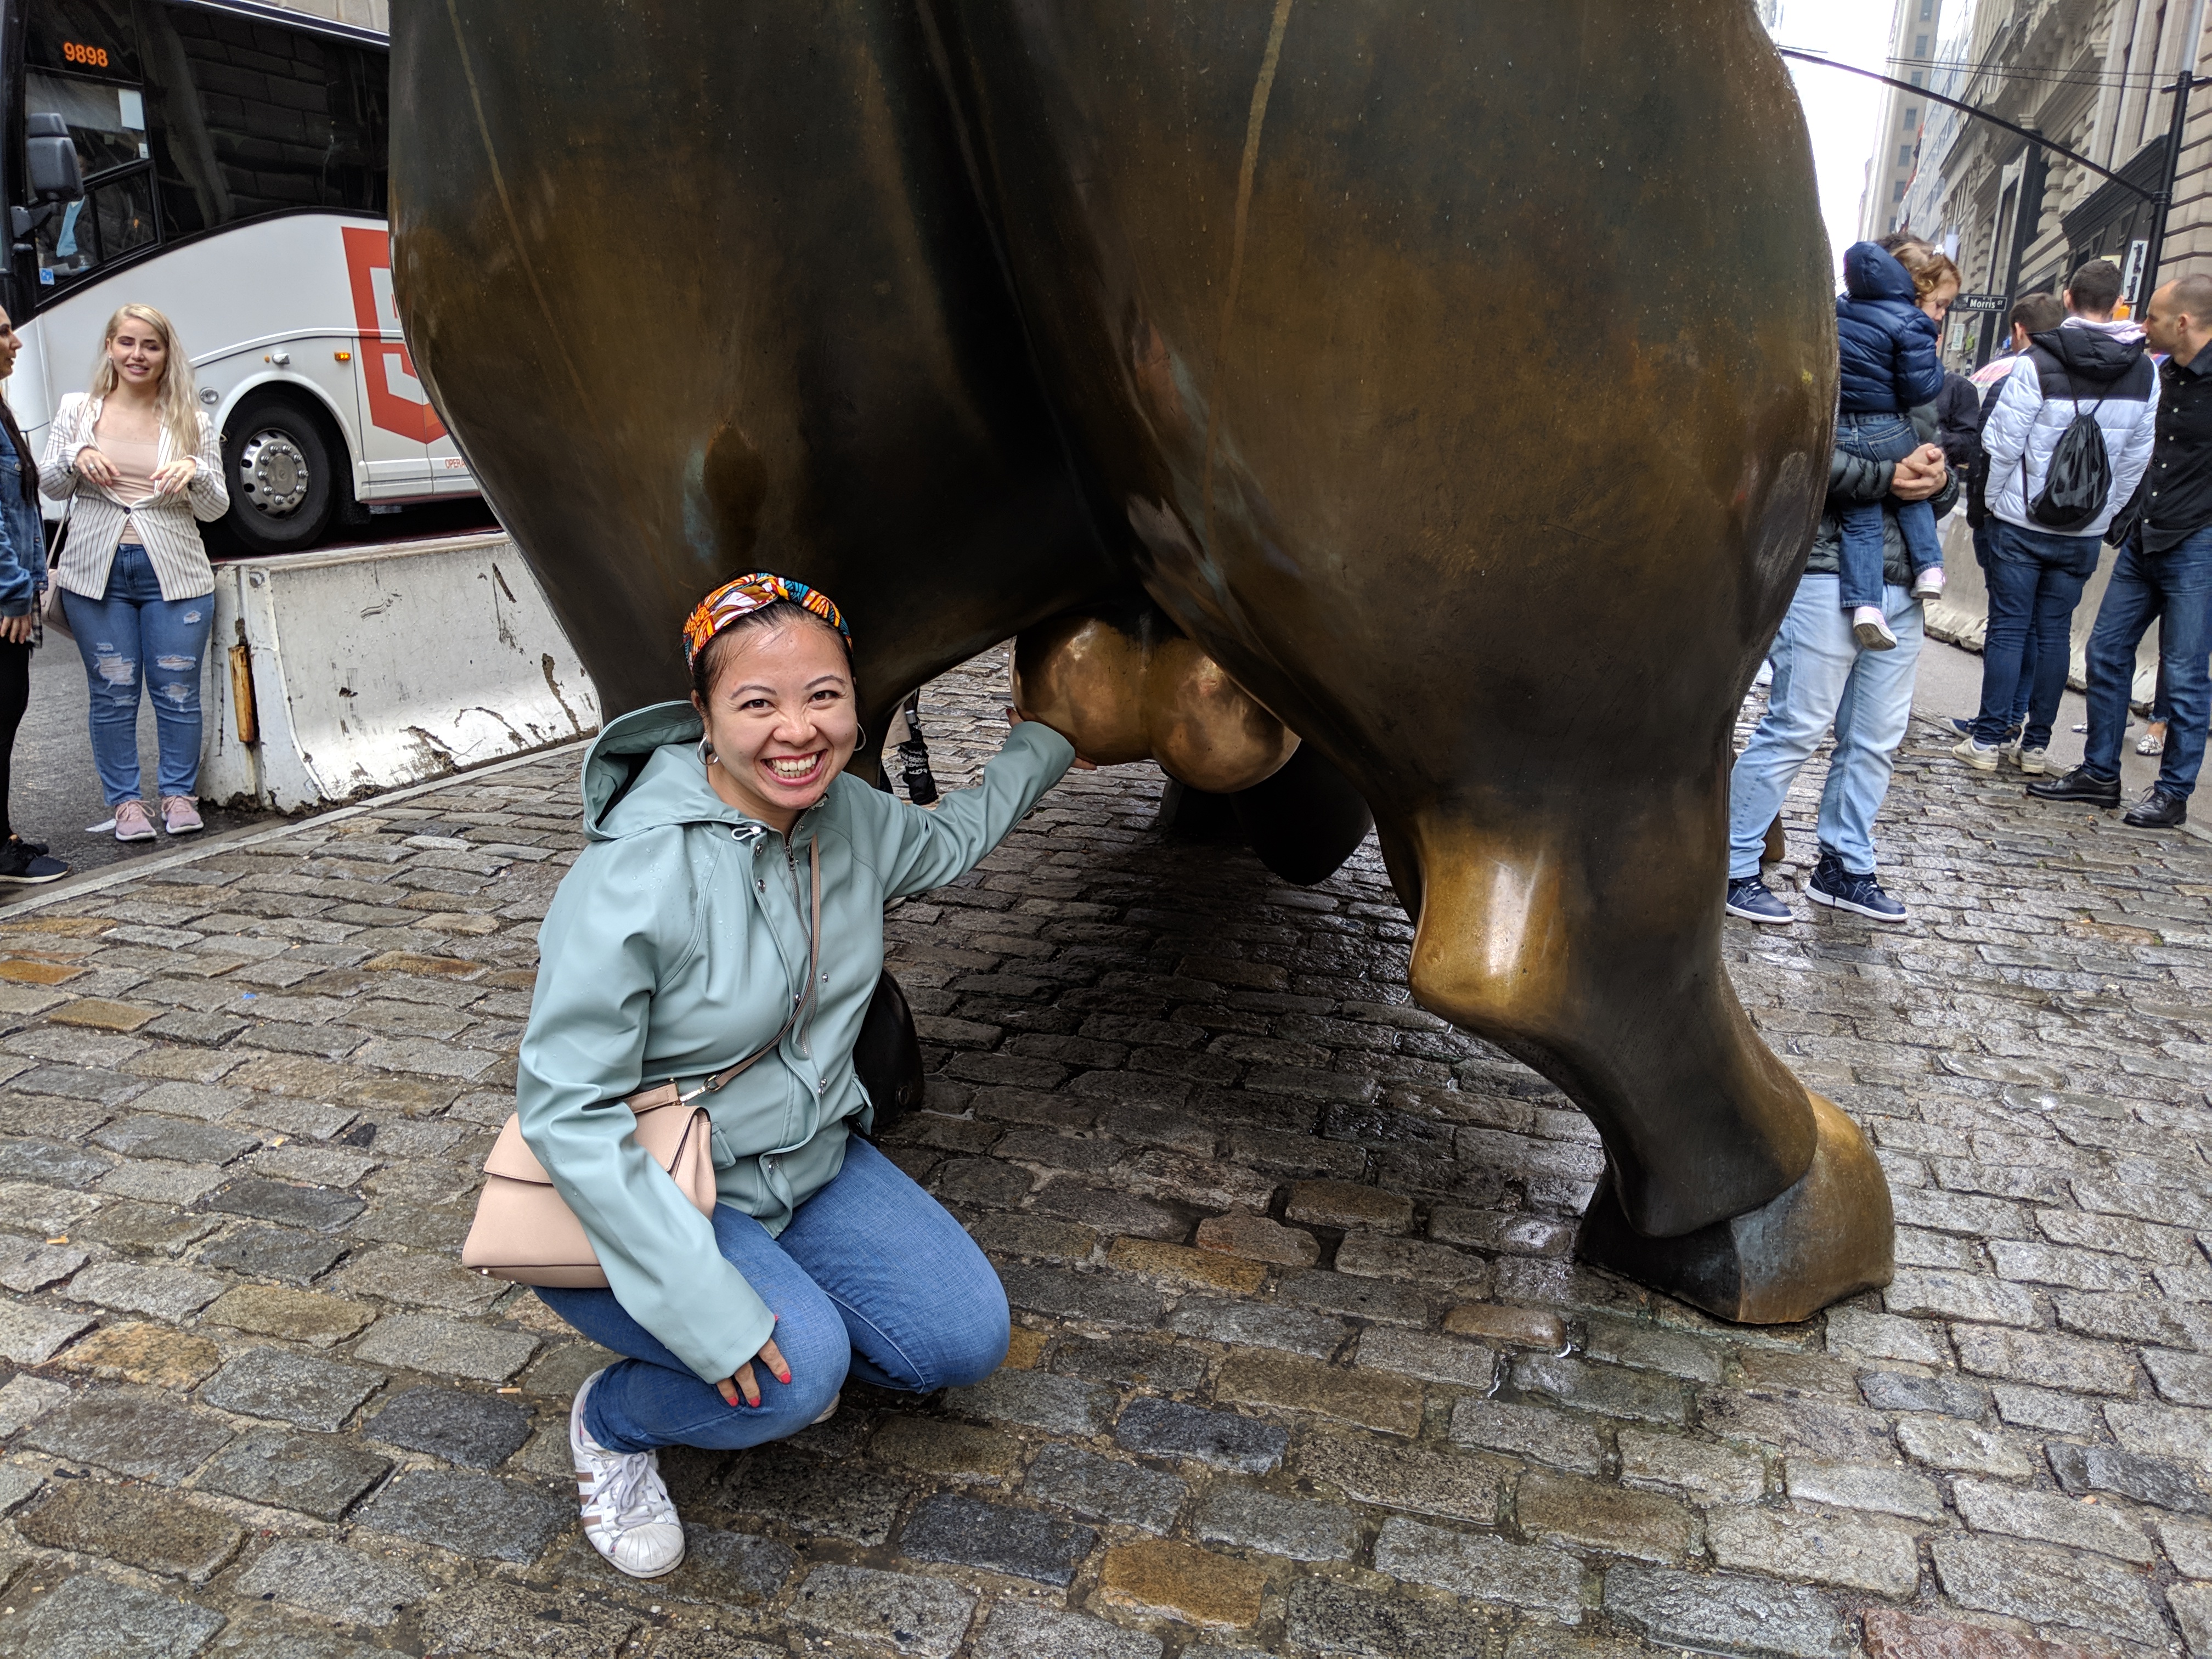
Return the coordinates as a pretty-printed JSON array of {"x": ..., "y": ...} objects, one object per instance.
[{"x": 133, "y": 637}]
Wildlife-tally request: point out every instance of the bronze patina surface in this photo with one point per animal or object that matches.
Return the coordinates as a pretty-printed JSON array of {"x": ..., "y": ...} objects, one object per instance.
[{"x": 1457, "y": 379}]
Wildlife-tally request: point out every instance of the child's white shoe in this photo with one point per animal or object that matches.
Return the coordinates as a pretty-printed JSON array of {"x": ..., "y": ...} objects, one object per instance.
[
  {"x": 1871, "y": 628},
  {"x": 1929, "y": 583}
]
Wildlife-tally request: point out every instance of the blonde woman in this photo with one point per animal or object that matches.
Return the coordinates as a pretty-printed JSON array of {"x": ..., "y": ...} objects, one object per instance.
[{"x": 140, "y": 464}]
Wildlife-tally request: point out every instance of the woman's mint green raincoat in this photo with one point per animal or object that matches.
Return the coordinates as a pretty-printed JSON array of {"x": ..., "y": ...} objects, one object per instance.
[{"x": 675, "y": 947}]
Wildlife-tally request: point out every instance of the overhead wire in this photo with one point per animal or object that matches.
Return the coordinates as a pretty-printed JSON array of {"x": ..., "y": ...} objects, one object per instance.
[{"x": 1970, "y": 72}]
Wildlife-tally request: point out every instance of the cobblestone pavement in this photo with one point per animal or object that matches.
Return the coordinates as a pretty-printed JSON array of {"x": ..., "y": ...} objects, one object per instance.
[{"x": 1304, "y": 1364}]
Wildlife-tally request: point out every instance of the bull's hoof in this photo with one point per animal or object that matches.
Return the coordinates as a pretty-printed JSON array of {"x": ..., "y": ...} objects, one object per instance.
[{"x": 1829, "y": 1237}]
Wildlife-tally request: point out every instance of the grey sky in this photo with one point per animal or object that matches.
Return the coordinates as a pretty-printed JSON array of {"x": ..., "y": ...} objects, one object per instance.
[{"x": 1840, "y": 109}]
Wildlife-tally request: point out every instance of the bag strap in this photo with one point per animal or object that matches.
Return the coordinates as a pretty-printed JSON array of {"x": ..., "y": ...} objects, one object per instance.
[{"x": 803, "y": 1005}]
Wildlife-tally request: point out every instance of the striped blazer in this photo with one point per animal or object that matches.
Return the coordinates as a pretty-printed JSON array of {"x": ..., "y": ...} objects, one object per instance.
[{"x": 166, "y": 525}]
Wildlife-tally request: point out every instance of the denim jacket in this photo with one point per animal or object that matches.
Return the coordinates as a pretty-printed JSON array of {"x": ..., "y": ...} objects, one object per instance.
[{"x": 22, "y": 538}]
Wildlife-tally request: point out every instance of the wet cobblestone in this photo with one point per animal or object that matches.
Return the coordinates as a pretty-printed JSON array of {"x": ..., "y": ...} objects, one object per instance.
[{"x": 1304, "y": 1364}]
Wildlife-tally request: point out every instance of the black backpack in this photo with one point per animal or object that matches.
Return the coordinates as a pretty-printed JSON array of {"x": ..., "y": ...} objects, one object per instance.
[{"x": 2079, "y": 479}]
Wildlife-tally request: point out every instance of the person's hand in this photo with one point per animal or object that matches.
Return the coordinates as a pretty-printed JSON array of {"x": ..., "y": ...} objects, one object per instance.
[
  {"x": 1920, "y": 475},
  {"x": 95, "y": 468},
  {"x": 174, "y": 477},
  {"x": 1015, "y": 717},
  {"x": 743, "y": 1383},
  {"x": 16, "y": 630}
]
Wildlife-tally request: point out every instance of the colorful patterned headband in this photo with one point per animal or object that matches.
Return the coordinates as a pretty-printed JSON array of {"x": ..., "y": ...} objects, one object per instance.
[{"x": 733, "y": 601}]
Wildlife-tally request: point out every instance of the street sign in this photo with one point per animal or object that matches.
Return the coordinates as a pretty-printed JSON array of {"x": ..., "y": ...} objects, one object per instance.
[
  {"x": 2131, "y": 273},
  {"x": 1979, "y": 303}
]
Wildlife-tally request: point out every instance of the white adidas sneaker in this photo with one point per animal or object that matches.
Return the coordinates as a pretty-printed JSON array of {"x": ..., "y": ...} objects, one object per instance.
[{"x": 626, "y": 1512}]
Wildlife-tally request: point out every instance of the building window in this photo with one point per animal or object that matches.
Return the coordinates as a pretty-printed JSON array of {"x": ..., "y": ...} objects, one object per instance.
[
  {"x": 1927, "y": 11},
  {"x": 1919, "y": 45},
  {"x": 1912, "y": 116},
  {"x": 1904, "y": 155},
  {"x": 1897, "y": 190}
]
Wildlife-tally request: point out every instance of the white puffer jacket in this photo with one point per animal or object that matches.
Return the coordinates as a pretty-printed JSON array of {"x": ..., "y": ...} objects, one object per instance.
[{"x": 2106, "y": 372}]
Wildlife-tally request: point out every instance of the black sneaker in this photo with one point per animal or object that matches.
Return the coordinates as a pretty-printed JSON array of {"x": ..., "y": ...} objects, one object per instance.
[
  {"x": 1749, "y": 900},
  {"x": 25, "y": 863},
  {"x": 1841, "y": 890},
  {"x": 2079, "y": 785},
  {"x": 1964, "y": 726},
  {"x": 2161, "y": 809}
]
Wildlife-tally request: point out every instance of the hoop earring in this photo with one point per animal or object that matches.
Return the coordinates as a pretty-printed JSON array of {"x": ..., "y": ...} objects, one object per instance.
[
  {"x": 706, "y": 755},
  {"x": 863, "y": 742}
]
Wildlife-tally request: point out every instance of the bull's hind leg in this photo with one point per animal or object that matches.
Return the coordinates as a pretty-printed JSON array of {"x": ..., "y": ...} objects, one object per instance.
[{"x": 1590, "y": 949}]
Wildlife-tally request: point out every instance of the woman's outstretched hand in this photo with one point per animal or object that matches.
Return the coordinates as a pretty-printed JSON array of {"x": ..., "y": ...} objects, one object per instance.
[
  {"x": 744, "y": 1383},
  {"x": 95, "y": 468},
  {"x": 1015, "y": 717}
]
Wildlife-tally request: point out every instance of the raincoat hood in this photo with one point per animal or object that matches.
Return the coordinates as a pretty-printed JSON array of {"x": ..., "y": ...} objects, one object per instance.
[{"x": 643, "y": 772}]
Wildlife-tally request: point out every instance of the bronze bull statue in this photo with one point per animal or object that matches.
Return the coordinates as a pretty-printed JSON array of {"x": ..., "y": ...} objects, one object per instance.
[{"x": 1404, "y": 407}]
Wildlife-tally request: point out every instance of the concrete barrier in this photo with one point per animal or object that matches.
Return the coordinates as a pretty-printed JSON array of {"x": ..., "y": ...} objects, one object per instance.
[
  {"x": 1962, "y": 614},
  {"x": 332, "y": 675}
]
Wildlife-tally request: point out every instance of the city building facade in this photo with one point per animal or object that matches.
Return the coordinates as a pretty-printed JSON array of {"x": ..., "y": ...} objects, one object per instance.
[
  {"x": 1913, "y": 38},
  {"x": 2096, "y": 76}
]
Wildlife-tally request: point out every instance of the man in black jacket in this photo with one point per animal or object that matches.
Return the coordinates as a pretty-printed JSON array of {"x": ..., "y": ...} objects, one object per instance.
[
  {"x": 2163, "y": 574},
  {"x": 1822, "y": 678}
]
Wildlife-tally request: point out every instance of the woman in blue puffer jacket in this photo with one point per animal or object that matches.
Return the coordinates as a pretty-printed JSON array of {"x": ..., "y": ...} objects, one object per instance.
[{"x": 1887, "y": 341}]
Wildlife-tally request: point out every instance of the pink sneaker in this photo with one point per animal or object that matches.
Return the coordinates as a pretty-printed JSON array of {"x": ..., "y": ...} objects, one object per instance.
[
  {"x": 180, "y": 815},
  {"x": 131, "y": 823}
]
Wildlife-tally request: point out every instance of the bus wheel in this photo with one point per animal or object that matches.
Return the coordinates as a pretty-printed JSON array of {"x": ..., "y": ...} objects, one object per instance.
[{"x": 282, "y": 474}]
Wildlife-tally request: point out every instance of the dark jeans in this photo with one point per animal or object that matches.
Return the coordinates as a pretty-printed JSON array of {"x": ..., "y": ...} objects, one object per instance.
[
  {"x": 2035, "y": 582},
  {"x": 2173, "y": 589},
  {"x": 2029, "y": 655},
  {"x": 1879, "y": 438},
  {"x": 14, "y": 698}
]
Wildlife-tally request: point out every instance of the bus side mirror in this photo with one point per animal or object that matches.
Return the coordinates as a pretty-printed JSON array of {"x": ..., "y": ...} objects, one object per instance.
[{"x": 51, "y": 155}]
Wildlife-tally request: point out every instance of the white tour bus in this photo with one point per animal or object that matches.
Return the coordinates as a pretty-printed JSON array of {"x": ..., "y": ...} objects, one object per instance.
[{"x": 225, "y": 162}]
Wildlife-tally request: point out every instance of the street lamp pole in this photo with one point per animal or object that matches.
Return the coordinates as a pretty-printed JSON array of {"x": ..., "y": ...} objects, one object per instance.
[{"x": 2162, "y": 203}]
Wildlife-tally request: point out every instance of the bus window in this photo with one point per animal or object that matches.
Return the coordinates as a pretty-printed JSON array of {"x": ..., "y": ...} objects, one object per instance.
[
  {"x": 115, "y": 217},
  {"x": 248, "y": 119},
  {"x": 108, "y": 122}
]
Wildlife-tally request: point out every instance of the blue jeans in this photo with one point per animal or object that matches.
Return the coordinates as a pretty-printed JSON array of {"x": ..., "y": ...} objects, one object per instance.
[
  {"x": 130, "y": 636},
  {"x": 2035, "y": 582},
  {"x": 1880, "y": 438},
  {"x": 1823, "y": 678},
  {"x": 871, "y": 1277},
  {"x": 2030, "y": 653},
  {"x": 2173, "y": 589}
]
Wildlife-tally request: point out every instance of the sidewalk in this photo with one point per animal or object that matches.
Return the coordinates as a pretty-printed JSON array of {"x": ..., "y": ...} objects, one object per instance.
[{"x": 1302, "y": 1364}]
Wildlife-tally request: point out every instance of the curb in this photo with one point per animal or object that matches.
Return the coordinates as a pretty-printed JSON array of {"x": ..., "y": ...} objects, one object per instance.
[{"x": 114, "y": 875}]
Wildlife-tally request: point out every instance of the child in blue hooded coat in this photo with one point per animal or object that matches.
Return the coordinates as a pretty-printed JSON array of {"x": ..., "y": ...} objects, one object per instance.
[{"x": 1887, "y": 348}]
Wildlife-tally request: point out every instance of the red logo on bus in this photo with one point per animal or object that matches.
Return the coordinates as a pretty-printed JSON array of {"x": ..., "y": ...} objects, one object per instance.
[{"x": 400, "y": 407}]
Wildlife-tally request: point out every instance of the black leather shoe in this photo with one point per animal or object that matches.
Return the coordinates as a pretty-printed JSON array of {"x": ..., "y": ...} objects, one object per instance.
[
  {"x": 2159, "y": 809},
  {"x": 2080, "y": 784}
]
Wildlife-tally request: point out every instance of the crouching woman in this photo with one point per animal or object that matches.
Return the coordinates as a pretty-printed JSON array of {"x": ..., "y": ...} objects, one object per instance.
[{"x": 686, "y": 939}]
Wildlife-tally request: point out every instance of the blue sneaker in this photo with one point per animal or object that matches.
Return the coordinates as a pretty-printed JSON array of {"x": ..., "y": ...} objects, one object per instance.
[
  {"x": 1840, "y": 890},
  {"x": 1749, "y": 900}
]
